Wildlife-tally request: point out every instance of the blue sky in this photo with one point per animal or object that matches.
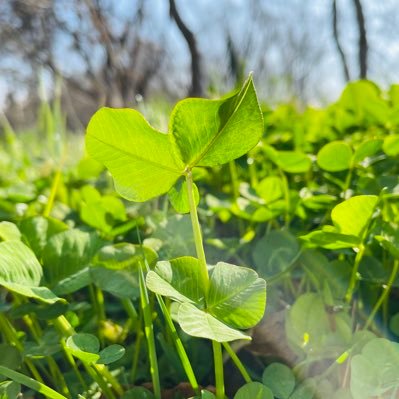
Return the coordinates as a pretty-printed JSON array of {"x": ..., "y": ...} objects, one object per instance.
[{"x": 307, "y": 19}]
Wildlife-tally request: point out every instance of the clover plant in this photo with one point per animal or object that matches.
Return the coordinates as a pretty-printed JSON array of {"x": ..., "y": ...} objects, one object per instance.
[{"x": 215, "y": 302}]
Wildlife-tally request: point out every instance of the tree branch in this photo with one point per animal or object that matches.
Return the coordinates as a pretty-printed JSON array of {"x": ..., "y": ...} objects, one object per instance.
[
  {"x": 363, "y": 46},
  {"x": 337, "y": 41},
  {"x": 196, "y": 70}
]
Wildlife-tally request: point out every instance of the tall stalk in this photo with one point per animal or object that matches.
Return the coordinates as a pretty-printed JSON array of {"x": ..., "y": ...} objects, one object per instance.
[
  {"x": 354, "y": 276},
  {"x": 176, "y": 339},
  {"x": 199, "y": 246},
  {"x": 149, "y": 332},
  {"x": 218, "y": 364},
  {"x": 386, "y": 289}
]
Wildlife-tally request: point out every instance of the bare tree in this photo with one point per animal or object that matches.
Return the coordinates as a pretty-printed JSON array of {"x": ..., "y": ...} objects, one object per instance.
[
  {"x": 115, "y": 62},
  {"x": 337, "y": 41},
  {"x": 196, "y": 88},
  {"x": 363, "y": 45}
]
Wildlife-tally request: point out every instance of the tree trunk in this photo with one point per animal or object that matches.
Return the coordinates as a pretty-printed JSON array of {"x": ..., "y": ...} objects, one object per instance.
[
  {"x": 196, "y": 89},
  {"x": 363, "y": 46},
  {"x": 337, "y": 41}
]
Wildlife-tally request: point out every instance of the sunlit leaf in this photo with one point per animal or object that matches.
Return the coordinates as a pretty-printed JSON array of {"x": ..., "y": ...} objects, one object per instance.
[
  {"x": 352, "y": 216},
  {"x": 179, "y": 279},
  {"x": 198, "y": 323},
  {"x": 237, "y": 296},
  {"x": 335, "y": 156}
]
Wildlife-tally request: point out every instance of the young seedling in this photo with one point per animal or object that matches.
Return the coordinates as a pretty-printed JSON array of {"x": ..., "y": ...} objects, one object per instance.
[{"x": 215, "y": 302}]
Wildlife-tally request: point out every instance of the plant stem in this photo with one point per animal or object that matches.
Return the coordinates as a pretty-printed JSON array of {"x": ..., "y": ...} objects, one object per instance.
[
  {"x": 98, "y": 378},
  {"x": 137, "y": 345},
  {"x": 354, "y": 275},
  {"x": 287, "y": 198},
  {"x": 237, "y": 362},
  {"x": 197, "y": 232},
  {"x": 130, "y": 309},
  {"x": 53, "y": 192},
  {"x": 149, "y": 332},
  {"x": 72, "y": 362},
  {"x": 11, "y": 335},
  {"x": 62, "y": 324},
  {"x": 252, "y": 171},
  {"x": 31, "y": 383},
  {"x": 347, "y": 182},
  {"x": 234, "y": 179},
  {"x": 218, "y": 362},
  {"x": 386, "y": 289},
  {"x": 179, "y": 346}
]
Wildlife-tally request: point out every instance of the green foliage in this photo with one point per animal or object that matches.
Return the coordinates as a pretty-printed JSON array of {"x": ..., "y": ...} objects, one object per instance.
[
  {"x": 237, "y": 297},
  {"x": 10, "y": 357},
  {"x": 178, "y": 196},
  {"x": 335, "y": 156},
  {"x": 146, "y": 163},
  {"x": 275, "y": 253},
  {"x": 280, "y": 379},
  {"x": 198, "y": 323},
  {"x": 254, "y": 390},
  {"x": 313, "y": 208},
  {"x": 21, "y": 272},
  {"x": 351, "y": 219},
  {"x": 375, "y": 370},
  {"x": 86, "y": 347}
]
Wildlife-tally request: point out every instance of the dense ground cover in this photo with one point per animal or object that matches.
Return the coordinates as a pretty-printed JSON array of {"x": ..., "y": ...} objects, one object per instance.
[{"x": 312, "y": 209}]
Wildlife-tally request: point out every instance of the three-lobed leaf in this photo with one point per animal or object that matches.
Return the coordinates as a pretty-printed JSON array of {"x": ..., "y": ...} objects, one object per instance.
[
  {"x": 146, "y": 163},
  {"x": 86, "y": 347},
  {"x": 236, "y": 297}
]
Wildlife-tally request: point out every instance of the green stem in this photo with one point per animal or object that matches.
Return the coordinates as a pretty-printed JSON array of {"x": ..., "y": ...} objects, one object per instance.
[
  {"x": 137, "y": 349},
  {"x": 34, "y": 327},
  {"x": 97, "y": 300},
  {"x": 75, "y": 368},
  {"x": 197, "y": 232},
  {"x": 62, "y": 324},
  {"x": 31, "y": 383},
  {"x": 149, "y": 332},
  {"x": 130, "y": 309},
  {"x": 179, "y": 346},
  {"x": 287, "y": 198},
  {"x": 234, "y": 179},
  {"x": 386, "y": 289},
  {"x": 218, "y": 362},
  {"x": 53, "y": 192},
  {"x": 57, "y": 375},
  {"x": 252, "y": 171},
  {"x": 347, "y": 182},
  {"x": 354, "y": 275},
  {"x": 237, "y": 362},
  {"x": 12, "y": 337},
  {"x": 104, "y": 372},
  {"x": 98, "y": 378}
]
